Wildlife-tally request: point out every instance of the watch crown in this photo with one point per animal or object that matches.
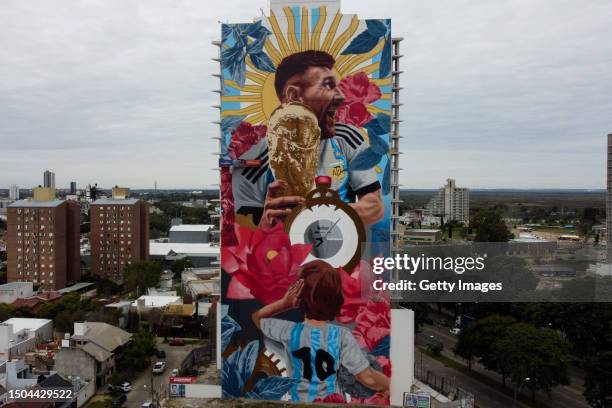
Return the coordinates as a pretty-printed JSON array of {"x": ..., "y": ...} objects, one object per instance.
[{"x": 323, "y": 181}]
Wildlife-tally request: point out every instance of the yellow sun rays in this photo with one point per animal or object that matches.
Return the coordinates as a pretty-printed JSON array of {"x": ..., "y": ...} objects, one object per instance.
[{"x": 258, "y": 98}]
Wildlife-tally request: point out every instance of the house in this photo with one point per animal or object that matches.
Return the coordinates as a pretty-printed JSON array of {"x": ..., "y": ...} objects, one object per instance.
[
  {"x": 35, "y": 301},
  {"x": 20, "y": 335},
  {"x": 91, "y": 352},
  {"x": 10, "y": 292}
]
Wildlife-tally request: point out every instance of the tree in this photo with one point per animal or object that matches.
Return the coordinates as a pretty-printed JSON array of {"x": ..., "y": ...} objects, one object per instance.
[
  {"x": 598, "y": 380},
  {"x": 538, "y": 354},
  {"x": 180, "y": 265},
  {"x": 140, "y": 276},
  {"x": 489, "y": 226},
  {"x": 6, "y": 311},
  {"x": 476, "y": 341},
  {"x": 136, "y": 356}
]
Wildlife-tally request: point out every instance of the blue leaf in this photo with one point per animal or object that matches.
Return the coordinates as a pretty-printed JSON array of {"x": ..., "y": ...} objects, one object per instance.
[
  {"x": 229, "y": 123},
  {"x": 386, "y": 182},
  {"x": 228, "y": 327},
  {"x": 272, "y": 388},
  {"x": 385, "y": 60},
  {"x": 256, "y": 45},
  {"x": 380, "y": 125},
  {"x": 361, "y": 44},
  {"x": 376, "y": 28},
  {"x": 256, "y": 30},
  {"x": 246, "y": 362},
  {"x": 382, "y": 348},
  {"x": 365, "y": 160},
  {"x": 379, "y": 145},
  {"x": 230, "y": 380},
  {"x": 262, "y": 62},
  {"x": 233, "y": 59}
]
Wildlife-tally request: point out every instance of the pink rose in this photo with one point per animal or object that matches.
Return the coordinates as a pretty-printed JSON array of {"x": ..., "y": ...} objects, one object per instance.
[
  {"x": 372, "y": 324},
  {"x": 358, "y": 92},
  {"x": 244, "y": 137},
  {"x": 331, "y": 399},
  {"x": 264, "y": 261}
]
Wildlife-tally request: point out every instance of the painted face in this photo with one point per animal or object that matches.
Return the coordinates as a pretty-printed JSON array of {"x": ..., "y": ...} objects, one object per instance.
[{"x": 319, "y": 90}]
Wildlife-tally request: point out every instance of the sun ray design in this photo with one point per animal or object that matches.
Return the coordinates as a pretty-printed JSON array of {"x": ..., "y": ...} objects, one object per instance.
[
  {"x": 331, "y": 33},
  {"x": 278, "y": 34},
  {"x": 316, "y": 35},
  {"x": 291, "y": 34},
  {"x": 342, "y": 40},
  {"x": 305, "y": 45},
  {"x": 256, "y": 99}
]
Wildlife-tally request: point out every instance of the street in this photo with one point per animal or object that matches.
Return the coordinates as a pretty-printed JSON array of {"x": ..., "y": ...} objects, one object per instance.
[
  {"x": 141, "y": 387},
  {"x": 486, "y": 396}
]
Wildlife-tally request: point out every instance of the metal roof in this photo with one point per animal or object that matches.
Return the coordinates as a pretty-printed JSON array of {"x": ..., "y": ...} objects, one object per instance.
[
  {"x": 36, "y": 204},
  {"x": 115, "y": 201},
  {"x": 201, "y": 249},
  {"x": 191, "y": 228}
]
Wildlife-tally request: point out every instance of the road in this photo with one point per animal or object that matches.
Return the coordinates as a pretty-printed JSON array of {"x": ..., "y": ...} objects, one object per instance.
[
  {"x": 561, "y": 396},
  {"x": 141, "y": 387}
]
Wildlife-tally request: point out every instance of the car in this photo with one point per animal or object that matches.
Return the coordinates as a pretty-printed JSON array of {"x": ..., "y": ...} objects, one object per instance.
[
  {"x": 160, "y": 353},
  {"x": 148, "y": 404},
  {"x": 175, "y": 372},
  {"x": 119, "y": 400},
  {"x": 455, "y": 331},
  {"x": 177, "y": 342},
  {"x": 159, "y": 367},
  {"x": 126, "y": 387}
]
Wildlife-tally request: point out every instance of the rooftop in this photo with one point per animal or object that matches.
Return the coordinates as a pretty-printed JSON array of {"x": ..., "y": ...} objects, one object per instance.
[
  {"x": 192, "y": 228},
  {"x": 115, "y": 201},
  {"x": 36, "y": 204},
  {"x": 96, "y": 351},
  {"x": 104, "y": 335},
  {"x": 158, "y": 300},
  {"x": 20, "y": 323},
  {"x": 167, "y": 248},
  {"x": 15, "y": 285},
  {"x": 76, "y": 287}
]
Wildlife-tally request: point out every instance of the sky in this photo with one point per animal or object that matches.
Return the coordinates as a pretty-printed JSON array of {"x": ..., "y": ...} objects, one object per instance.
[{"x": 496, "y": 93}]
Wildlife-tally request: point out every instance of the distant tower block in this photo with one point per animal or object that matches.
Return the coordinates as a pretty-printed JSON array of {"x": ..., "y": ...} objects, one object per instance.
[
  {"x": 609, "y": 201},
  {"x": 49, "y": 179}
]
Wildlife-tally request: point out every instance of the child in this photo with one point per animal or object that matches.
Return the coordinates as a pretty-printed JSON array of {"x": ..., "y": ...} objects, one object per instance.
[{"x": 316, "y": 348}]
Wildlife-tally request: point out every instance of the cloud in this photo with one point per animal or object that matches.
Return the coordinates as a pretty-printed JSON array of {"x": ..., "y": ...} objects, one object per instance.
[{"x": 495, "y": 94}]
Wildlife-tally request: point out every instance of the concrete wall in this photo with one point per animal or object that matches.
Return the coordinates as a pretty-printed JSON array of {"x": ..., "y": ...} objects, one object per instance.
[
  {"x": 24, "y": 290},
  {"x": 402, "y": 354},
  {"x": 202, "y": 391},
  {"x": 189, "y": 237},
  {"x": 74, "y": 361},
  {"x": 85, "y": 394}
]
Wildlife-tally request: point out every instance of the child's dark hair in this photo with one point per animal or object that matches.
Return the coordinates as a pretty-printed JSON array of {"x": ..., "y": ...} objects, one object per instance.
[{"x": 322, "y": 296}]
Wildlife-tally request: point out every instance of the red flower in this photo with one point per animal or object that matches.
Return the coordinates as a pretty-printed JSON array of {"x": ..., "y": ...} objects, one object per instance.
[
  {"x": 373, "y": 323},
  {"x": 244, "y": 137},
  {"x": 351, "y": 289},
  {"x": 264, "y": 261},
  {"x": 331, "y": 399},
  {"x": 377, "y": 399},
  {"x": 227, "y": 208},
  {"x": 358, "y": 92}
]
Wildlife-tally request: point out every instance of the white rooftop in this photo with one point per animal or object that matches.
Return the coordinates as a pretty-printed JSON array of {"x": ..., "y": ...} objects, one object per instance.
[
  {"x": 158, "y": 301},
  {"x": 164, "y": 248},
  {"x": 20, "y": 323},
  {"x": 191, "y": 228}
]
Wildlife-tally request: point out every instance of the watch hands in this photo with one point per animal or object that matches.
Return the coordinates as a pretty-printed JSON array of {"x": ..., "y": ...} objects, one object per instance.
[{"x": 332, "y": 227}]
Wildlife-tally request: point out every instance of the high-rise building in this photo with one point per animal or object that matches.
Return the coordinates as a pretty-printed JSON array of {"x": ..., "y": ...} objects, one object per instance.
[
  {"x": 43, "y": 241},
  {"x": 119, "y": 234},
  {"x": 73, "y": 187},
  {"x": 451, "y": 202},
  {"x": 14, "y": 192},
  {"x": 609, "y": 201},
  {"x": 49, "y": 179}
]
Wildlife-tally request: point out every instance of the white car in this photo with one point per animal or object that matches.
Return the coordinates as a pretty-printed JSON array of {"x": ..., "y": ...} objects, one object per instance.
[
  {"x": 175, "y": 372},
  {"x": 126, "y": 387},
  {"x": 159, "y": 367},
  {"x": 455, "y": 331}
]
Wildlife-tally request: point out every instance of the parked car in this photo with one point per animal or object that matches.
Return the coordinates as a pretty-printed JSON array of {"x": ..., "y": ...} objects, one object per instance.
[
  {"x": 175, "y": 372},
  {"x": 177, "y": 342},
  {"x": 126, "y": 387},
  {"x": 159, "y": 367},
  {"x": 455, "y": 331},
  {"x": 160, "y": 353},
  {"x": 119, "y": 400},
  {"x": 148, "y": 404}
]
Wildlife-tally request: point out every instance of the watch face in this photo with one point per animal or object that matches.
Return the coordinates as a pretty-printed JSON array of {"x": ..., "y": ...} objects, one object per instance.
[{"x": 330, "y": 230}]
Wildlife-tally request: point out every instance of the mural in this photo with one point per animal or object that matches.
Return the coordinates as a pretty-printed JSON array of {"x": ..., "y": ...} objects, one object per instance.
[{"x": 305, "y": 182}]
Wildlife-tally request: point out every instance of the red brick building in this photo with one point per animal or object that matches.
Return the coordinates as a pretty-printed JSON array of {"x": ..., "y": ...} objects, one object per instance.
[
  {"x": 119, "y": 235},
  {"x": 43, "y": 242}
]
